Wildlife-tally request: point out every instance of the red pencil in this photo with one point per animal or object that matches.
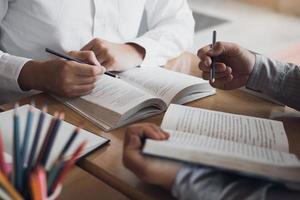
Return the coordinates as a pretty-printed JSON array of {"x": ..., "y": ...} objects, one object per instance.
[
  {"x": 2, "y": 161},
  {"x": 68, "y": 166}
]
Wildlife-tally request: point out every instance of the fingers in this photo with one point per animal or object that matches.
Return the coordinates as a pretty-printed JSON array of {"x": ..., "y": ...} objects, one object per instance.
[
  {"x": 142, "y": 131},
  {"x": 220, "y": 67},
  {"x": 87, "y": 70},
  {"x": 219, "y": 74},
  {"x": 86, "y": 56}
]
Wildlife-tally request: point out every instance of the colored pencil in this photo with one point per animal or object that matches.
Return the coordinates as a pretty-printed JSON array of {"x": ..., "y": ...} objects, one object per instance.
[
  {"x": 43, "y": 148},
  {"x": 51, "y": 140},
  {"x": 16, "y": 151},
  {"x": 67, "y": 167},
  {"x": 52, "y": 175},
  {"x": 68, "y": 144},
  {"x": 9, "y": 188},
  {"x": 24, "y": 146},
  {"x": 36, "y": 137},
  {"x": 2, "y": 160}
]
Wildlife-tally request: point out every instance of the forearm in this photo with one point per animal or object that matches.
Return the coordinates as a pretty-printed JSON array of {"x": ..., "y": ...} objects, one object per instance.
[
  {"x": 277, "y": 80},
  {"x": 171, "y": 28},
  {"x": 10, "y": 68}
]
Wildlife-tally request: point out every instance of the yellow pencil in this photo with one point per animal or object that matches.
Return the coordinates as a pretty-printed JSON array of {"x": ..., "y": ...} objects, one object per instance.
[{"x": 9, "y": 188}]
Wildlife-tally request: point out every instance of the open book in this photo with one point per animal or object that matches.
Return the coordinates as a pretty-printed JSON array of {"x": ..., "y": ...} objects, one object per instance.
[
  {"x": 65, "y": 131},
  {"x": 249, "y": 145},
  {"x": 138, "y": 94}
]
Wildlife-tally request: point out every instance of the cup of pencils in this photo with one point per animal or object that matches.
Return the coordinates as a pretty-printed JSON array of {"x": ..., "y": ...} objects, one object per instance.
[{"x": 27, "y": 177}]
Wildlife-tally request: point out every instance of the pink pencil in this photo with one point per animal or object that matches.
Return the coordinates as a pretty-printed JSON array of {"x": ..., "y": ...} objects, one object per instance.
[{"x": 2, "y": 161}]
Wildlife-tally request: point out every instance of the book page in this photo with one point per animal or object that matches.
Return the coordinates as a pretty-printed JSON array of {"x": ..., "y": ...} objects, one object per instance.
[
  {"x": 65, "y": 131},
  {"x": 238, "y": 128},
  {"x": 245, "y": 159},
  {"x": 204, "y": 144},
  {"x": 116, "y": 95},
  {"x": 161, "y": 82}
]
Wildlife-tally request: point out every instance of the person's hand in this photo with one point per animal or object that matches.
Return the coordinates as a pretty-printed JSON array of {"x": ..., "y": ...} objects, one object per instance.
[
  {"x": 233, "y": 67},
  {"x": 151, "y": 170},
  {"x": 116, "y": 57},
  {"x": 61, "y": 77}
]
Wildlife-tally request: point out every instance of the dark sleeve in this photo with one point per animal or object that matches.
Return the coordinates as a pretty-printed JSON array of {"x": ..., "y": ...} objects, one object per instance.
[
  {"x": 278, "y": 80},
  {"x": 194, "y": 183}
]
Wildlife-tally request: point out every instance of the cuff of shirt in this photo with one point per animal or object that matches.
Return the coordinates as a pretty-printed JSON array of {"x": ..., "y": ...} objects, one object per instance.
[
  {"x": 152, "y": 49},
  {"x": 11, "y": 68},
  {"x": 263, "y": 78}
]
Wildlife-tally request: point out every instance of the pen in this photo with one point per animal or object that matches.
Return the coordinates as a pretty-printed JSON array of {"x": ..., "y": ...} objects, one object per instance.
[
  {"x": 213, "y": 64},
  {"x": 67, "y": 57}
]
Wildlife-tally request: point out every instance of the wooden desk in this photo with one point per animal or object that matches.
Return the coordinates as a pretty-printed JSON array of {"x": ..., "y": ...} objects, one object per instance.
[
  {"x": 106, "y": 163},
  {"x": 81, "y": 185}
]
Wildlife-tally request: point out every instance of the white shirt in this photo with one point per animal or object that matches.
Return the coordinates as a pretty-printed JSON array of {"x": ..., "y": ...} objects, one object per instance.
[{"x": 28, "y": 26}]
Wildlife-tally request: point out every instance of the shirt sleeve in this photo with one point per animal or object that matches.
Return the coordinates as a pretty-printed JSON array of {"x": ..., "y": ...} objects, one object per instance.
[
  {"x": 277, "y": 80},
  {"x": 208, "y": 184},
  {"x": 10, "y": 66},
  {"x": 171, "y": 29}
]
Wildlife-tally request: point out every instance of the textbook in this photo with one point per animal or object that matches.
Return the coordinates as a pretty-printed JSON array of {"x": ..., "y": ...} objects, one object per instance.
[
  {"x": 248, "y": 145},
  {"x": 6, "y": 125},
  {"x": 137, "y": 94}
]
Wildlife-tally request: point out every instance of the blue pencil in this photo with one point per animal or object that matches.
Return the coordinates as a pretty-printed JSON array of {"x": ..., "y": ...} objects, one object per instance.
[
  {"x": 16, "y": 150},
  {"x": 27, "y": 135},
  {"x": 36, "y": 137}
]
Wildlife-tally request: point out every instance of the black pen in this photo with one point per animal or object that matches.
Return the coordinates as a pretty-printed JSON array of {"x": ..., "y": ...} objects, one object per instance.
[
  {"x": 213, "y": 63},
  {"x": 67, "y": 57}
]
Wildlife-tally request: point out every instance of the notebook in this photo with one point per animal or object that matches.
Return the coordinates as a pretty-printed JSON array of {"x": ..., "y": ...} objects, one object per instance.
[
  {"x": 248, "y": 145},
  {"x": 66, "y": 129},
  {"x": 138, "y": 94}
]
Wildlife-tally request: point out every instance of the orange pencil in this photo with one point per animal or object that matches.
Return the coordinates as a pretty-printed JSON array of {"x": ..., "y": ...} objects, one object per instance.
[
  {"x": 38, "y": 184},
  {"x": 68, "y": 166},
  {"x": 9, "y": 188}
]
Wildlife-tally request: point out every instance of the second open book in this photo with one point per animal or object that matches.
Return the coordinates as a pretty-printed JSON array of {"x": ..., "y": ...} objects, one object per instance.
[
  {"x": 138, "y": 94},
  {"x": 249, "y": 145}
]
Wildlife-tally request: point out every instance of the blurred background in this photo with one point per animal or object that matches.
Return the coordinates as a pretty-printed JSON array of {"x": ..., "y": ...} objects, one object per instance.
[{"x": 269, "y": 27}]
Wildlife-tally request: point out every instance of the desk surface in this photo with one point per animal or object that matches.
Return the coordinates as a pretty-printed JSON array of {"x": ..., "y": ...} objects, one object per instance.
[
  {"x": 81, "y": 185},
  {"x": 106, "y": 163}
]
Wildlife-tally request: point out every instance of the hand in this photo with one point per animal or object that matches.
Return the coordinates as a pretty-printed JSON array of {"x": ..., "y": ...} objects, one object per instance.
[
  {"x": 61, "y": 77},
  {"x": 233, "y": 67},
  {"x": 116, "y": 57},
  {"x": 152, "y": 170}
]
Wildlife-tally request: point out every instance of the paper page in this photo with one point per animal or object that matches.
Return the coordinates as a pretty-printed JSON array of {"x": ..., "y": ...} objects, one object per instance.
[
  {"x": 242, "y": 158},
  {"x": 162, "y": 83},
  {"x": 66, "y": 129},
  {"x": 230, "y": 149},
  {"x": 116, "y": 95},
  {"x": 238, "y": 128}
]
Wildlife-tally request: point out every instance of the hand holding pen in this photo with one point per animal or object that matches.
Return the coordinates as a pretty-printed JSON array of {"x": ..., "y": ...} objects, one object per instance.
[
  {"x": 70, "y": 58},
  {"x": 232, "y": 65}
]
